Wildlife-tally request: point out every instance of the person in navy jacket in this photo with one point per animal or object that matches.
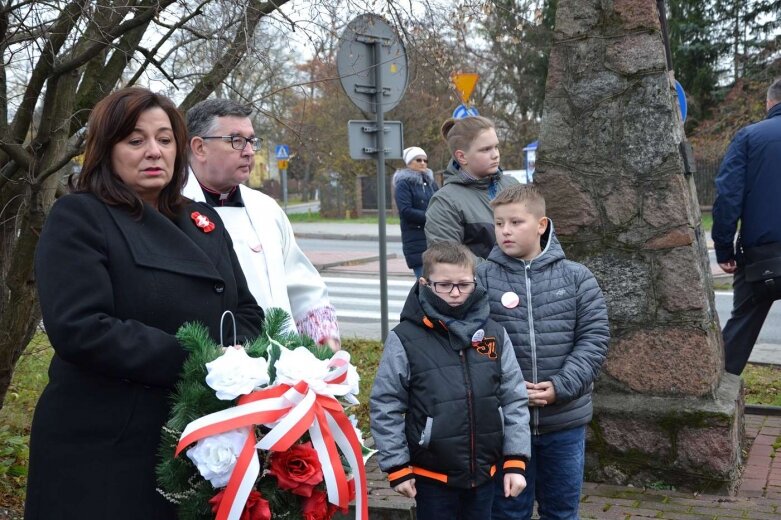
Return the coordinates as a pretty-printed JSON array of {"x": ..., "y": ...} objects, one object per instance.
[
  {"x": 414, "y": 186},
  {"x": 748, "y": 190}
]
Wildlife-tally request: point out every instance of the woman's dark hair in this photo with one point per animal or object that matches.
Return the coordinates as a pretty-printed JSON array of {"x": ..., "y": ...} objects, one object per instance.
[{"x": 114, "y": 118}]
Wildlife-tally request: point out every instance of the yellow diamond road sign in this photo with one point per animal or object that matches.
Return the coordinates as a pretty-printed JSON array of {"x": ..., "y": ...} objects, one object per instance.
[
  {"x": 282, "y": 164},
  {"x": 465, "y": 84}
]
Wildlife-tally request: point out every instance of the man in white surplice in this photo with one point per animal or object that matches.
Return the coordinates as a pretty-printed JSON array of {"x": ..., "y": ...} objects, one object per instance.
[{"x": 222, "y": 154}]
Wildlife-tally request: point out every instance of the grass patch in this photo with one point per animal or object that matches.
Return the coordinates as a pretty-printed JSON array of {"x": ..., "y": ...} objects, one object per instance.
[
  {"x": 30, "y": 377},
  {"x": 315, "y": 217},
  {"x": 365, "y": 355},
  {"x": 763, "y": 384},
  {"x": 707, "y": 221}
]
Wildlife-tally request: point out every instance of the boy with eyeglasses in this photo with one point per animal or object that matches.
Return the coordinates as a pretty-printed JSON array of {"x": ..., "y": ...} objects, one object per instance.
[
  {"x": 555, "y": 315},
  {"x": 449, "y": 405}
]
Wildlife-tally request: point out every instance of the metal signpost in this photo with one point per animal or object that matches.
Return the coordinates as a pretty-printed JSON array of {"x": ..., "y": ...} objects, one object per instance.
[
  {"x": 372, "y": 67},
  {"x": 283, "y": 154}
]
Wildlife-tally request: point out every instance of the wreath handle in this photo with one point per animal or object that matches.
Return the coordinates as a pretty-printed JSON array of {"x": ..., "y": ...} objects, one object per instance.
[{"x": 222, "y": 319}]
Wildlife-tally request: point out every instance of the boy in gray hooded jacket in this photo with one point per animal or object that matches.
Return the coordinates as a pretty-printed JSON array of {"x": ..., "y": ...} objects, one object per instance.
[
  {"x": 555, "y": 315},
  {"x": 448, "y": 403}
]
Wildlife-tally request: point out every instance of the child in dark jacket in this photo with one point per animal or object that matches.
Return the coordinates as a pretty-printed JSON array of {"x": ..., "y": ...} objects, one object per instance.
[
  {"x": 555, "y": 314},
  {"x": 449, "y": 403}
]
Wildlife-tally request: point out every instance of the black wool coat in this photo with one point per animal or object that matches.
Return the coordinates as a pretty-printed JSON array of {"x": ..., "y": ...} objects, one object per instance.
[{"x": 113, "y": 292}]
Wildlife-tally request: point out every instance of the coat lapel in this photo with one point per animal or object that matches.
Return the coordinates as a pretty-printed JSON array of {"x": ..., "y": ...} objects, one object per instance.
[{"x": 157, "y": 242}]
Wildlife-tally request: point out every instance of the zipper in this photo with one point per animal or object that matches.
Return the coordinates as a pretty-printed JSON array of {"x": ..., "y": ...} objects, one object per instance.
[
  {"x": 532, "y": 340},
  {"x": 470, "y": 411}
]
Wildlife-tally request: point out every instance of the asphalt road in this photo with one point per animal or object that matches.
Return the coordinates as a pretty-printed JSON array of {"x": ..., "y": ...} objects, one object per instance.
[{"x": 364, "y": 298}]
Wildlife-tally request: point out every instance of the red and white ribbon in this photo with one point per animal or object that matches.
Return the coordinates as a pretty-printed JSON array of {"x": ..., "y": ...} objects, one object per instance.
[{"x": 290, "y": 410}]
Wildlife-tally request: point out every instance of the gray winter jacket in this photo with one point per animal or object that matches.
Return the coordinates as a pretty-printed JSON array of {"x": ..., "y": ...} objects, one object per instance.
[
  {"x": 460, "y": 212},
  {"x": 559, "y": 329}
]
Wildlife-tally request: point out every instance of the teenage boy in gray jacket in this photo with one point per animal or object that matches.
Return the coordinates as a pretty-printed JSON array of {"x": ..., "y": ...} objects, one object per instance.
[
  {"x": 555, "y": 315},
  {"x": 448, "y": 403}
]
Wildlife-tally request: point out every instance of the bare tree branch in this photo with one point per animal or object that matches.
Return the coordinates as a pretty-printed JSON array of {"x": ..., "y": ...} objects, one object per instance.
[
  {"x": 143, "y": 15},
  {"x": 43, "y": 68},
  {"x": 233, "y": 53},
  {"x": 171, "y": 31},
  {"x": 72, "y": 149}
]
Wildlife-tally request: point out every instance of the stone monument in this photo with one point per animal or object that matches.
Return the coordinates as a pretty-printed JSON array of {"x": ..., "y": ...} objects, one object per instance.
[{"x": 611, "y": 166}]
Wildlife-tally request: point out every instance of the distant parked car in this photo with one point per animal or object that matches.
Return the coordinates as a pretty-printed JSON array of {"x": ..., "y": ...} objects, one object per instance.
[{"x": 520, "y": 175}]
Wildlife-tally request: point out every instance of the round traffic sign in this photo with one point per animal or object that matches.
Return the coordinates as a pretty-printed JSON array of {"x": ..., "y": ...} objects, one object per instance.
[
  {"x": 681, "y": 100},
  {"x": 355, "y": 63},
  {"x": 463, "y": 111}
]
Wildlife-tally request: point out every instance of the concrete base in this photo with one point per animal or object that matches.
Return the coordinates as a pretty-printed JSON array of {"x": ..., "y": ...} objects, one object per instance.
[{"x": 682, "y": 442}]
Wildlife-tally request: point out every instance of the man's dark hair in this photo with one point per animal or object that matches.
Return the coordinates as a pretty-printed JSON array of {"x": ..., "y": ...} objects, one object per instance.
[
  {"x": 202, "y": 118},
  {"x": 774, "y": 91}
]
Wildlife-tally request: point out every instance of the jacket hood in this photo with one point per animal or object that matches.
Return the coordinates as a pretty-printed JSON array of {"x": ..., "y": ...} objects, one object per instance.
[
  {"x": 454, "y": 175},
  {"x": 406, "y": 174},
  {"x": 551, "y": 252}
]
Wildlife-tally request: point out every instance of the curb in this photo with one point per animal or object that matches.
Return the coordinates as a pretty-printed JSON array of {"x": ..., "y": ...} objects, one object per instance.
[
  {"x": 762, "y": 409},
  {"x": 339, "y": 236},
  {"x": 353, "y": 261}
]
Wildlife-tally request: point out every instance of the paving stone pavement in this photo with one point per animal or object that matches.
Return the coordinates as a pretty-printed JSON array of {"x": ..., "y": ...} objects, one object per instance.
[{"x": 758, "y": 497}]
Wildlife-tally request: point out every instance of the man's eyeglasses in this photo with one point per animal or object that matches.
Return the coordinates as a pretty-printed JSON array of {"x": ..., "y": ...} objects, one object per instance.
[
  {"x": 419, "y": 159},
  {"x": 238, "y": 142},
  {"x": 447, "y": 287}
]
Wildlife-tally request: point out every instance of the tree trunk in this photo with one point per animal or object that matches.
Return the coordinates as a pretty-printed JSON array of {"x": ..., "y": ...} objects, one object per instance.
[{"x": 19, "y": 301}]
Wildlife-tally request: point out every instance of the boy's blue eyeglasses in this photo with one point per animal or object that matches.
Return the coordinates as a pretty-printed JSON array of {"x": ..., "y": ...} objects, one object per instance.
[
  {"x": 447, "y": 287},
  {"x": 238, "y": 142}
]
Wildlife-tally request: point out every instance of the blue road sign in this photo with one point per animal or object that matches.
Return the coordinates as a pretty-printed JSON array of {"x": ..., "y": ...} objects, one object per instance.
[
  {"x": 681, "y": 100},
  {"x": 463, "y": 111},
  {"x": 282, "y": 151}
]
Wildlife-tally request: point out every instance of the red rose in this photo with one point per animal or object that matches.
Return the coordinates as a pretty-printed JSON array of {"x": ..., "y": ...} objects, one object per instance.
[
  {"x": 297, "y": 470},
  {"x": 256, "y": 507},
  {"x": 316, "y": 507}
]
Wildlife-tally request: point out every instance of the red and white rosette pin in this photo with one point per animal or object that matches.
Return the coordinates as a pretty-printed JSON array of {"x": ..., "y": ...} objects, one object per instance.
[{"x": 203, "y": 222}]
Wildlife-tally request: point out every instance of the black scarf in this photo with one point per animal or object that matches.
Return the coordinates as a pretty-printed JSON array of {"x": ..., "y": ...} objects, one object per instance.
[{"x": 461, "y": 321}]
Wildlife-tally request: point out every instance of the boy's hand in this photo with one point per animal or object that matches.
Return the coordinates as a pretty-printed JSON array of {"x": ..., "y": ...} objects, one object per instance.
[
  {"x": 541, "y": 394},
  {"x": 514, "y": 483},
  {"x": 407, "y": 488}
]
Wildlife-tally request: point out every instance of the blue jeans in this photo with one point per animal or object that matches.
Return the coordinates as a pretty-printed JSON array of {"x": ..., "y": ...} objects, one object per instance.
[
  {"x": 435, "y": 501},
  {"x": 554, "y": 477}
]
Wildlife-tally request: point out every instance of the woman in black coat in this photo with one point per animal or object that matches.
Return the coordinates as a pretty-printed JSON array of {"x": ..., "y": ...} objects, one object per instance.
[
  {"x": 413, "y": 185},
  {"x": 120, "y": 266}
]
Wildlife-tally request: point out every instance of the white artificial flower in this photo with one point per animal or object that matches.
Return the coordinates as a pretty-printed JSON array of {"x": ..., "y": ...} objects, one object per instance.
[
  {"x": 301, "y": 365},
  {"x": 215, "y": 456},
  {"x": 235, "y": 373}
]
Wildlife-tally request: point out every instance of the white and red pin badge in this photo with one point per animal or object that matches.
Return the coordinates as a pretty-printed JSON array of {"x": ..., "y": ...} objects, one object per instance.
[
  {"x": 510, "y": 300},
  {"x": 477, "y": 337},
  {"x": 203, "y": 222}
]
